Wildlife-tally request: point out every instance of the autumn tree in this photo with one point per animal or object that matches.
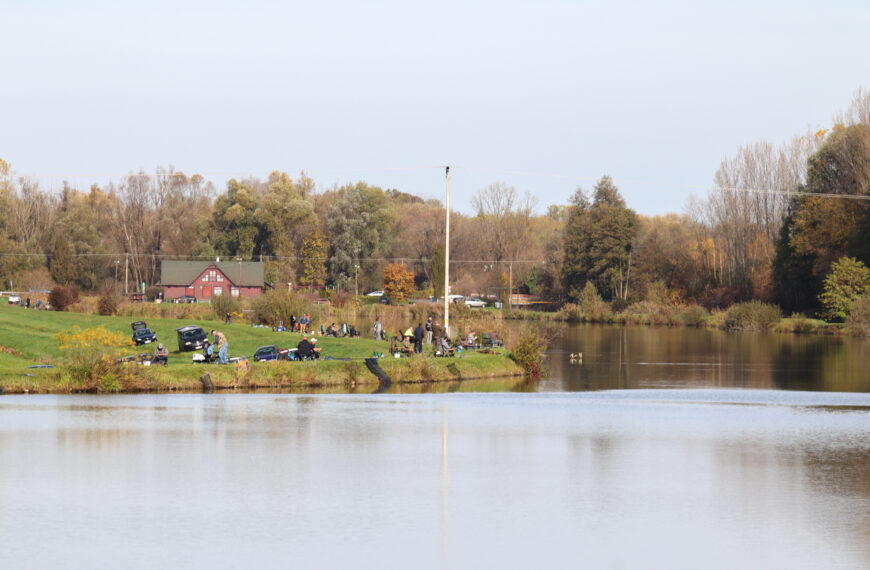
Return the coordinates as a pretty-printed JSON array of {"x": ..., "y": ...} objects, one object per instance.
[
  {"x": 233, "y": 229},
  {"x": 828, "y": 219},
  {"x": 285, "y": 216},
  {"x": 314, "y": 256},
  {"x": 83, "y": 239},
  {"x": 398, "y": 282},
  {"x": 848, "y": 281},
  {"x": 504, "y": 226}
]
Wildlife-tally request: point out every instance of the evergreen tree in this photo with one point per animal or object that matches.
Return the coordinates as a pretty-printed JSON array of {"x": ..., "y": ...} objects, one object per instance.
[{"x": 598, "y": 239}]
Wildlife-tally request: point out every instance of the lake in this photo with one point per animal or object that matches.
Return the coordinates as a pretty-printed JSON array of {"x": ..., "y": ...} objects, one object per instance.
[{"x": 745, "y": 453}]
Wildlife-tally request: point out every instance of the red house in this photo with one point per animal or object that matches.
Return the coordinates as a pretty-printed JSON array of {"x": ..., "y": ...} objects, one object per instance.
[{"x": 206, "y": 279}]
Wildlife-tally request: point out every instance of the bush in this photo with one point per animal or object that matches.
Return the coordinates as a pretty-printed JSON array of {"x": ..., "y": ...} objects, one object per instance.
[
  {"x": 222, "y": 305},
  {"x": 571, "y": 312},
  {"x": 276, "y": 306},
  {"x": 592, "y": 305},
  {"x": 341, "y": 299},
  {"x": 91, "y": 355},
  {"x": 798, "y": 323},
  {"x": 108, "y": 303},
  {"x": 648, "y": 313},
  {"x": 61, "y": 297},
  {"x": 529, "y": 351},
  {"x": 751, "y": 316},
  {"x": 858, "y": 321},
  {"x": 693, "y": 315}
]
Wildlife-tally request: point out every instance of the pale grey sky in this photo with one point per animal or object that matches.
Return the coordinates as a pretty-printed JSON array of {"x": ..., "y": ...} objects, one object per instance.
[{"x": 653, "y": 94}]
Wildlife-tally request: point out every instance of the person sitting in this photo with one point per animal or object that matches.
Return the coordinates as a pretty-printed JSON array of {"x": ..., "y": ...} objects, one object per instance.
[
  {"x": 315, "y": 350},
  {"x": 161, "y": 355},
  {"x": 471, "y": 341},
  {"x": 446, "y": 349},
  {"x": 305, "y": 349},
  {"x": 352, "y": 331},
  {"x": 407, "y": 347},
  {"x": 394, "y": 346},
  {"x": 496, "y": 340},
  {"x": 332, "y": 330},
  {"x": 208, "y": 351}
]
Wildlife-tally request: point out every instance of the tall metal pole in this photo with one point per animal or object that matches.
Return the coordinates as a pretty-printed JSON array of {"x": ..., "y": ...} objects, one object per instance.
[
  {"x": 447, "y": 260},
  {"x": 510, "y": 283},
  {"x": 126, "y": 272}
]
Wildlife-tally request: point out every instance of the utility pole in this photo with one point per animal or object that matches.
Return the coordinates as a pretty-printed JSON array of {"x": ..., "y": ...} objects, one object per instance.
[
  {"x": 447, "y": 259},
  {"x": 510, "y": 283},
  {"x": 356, "y": 279},
  {"x": 126, "y": 271},
  {"x": 116, "y": 277}
]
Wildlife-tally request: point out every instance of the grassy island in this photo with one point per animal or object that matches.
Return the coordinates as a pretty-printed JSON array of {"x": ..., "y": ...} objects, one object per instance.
[{"x": 33, "y": 361}]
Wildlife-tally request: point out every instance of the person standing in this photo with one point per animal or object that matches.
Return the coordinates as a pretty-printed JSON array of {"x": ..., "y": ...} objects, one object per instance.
[
  {"x": 379, "y": 329},
  {"x": 221, "y": 340},
  {"x": 419, "y": 333},
  {"x": 430, "y": 327}
]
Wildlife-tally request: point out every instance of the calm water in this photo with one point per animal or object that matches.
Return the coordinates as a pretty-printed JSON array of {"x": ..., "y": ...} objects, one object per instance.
[
  {"x": 689, "y": 469},
  {"x": 616, "y": 358}
]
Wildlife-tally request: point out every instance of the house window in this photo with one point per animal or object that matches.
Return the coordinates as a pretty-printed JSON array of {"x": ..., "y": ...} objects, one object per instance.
[
  {"x": 218, "y": 291},
  {"x": 234, "y": 292}
]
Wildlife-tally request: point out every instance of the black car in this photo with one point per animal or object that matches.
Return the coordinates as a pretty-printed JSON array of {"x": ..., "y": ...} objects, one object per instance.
[
  {"x": 384, "y": 300},
  {"x": 142, "y": 334},
  {"x": 186, "y": 299},
  {"x": 191, "y": 337},
  {"x": 271, "y": 352}
]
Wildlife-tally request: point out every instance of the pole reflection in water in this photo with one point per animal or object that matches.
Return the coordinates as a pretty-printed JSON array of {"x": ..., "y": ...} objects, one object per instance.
[{"x": 445, "y": 488}]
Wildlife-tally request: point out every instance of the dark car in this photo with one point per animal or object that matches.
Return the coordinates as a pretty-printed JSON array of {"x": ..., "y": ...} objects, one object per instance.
[
  {"x": 142, "y": 334},
  {"x": 191, "y": 337},
  {"x": 186, "y": 299},
  {"x": 384, "y": 300},
  {"x": 271, "y": 352}
]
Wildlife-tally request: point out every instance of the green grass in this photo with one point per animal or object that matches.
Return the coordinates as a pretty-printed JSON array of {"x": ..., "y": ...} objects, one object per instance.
[{"x": 28, "y": 337}]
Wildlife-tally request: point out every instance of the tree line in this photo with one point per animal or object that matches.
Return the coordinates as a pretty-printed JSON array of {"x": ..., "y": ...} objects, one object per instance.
[{"x": 772, "y": 227}]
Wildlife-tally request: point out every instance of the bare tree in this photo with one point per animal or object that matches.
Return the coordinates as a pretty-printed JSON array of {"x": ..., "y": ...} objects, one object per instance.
[{"x": 858, "y": 111}]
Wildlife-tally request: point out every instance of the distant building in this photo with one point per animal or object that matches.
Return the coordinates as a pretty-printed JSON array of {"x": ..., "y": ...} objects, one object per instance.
[{"x": 206, "y": 279}]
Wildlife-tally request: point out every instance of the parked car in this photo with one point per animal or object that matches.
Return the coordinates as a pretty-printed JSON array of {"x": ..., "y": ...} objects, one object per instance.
[
  {"x": 14, "y": 299},
  {"x": 455, "y": 298},
  {"x": 191, "y": 337},
  {"x": 475, "y": 302},
  {"x": 142, "y": 334},
  {"x": 384, "y": 300},
  {"x": 186, "y": 299},
  {"x": 271, "y": 352},
  {"x": 375, "y": 294}
]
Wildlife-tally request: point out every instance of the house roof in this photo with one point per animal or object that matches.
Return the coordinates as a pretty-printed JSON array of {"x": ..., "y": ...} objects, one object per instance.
[{"x": 186, "y": 272}]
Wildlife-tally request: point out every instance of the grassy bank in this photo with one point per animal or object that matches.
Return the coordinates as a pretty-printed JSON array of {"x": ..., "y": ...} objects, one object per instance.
[{"x": 29, "y": 339}]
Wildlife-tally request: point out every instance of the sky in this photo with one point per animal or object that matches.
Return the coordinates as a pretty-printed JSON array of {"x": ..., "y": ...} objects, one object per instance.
[{"x": 543, "y": 96}]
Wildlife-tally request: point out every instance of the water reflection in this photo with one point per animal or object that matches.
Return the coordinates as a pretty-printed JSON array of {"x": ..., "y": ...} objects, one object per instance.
[{"x": 646, "y": 357}]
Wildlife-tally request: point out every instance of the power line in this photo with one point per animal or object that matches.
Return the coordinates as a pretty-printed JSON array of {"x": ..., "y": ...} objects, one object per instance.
[
  {"x": 262, "y": 258},
  {"x": 509, "y": 172}
]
